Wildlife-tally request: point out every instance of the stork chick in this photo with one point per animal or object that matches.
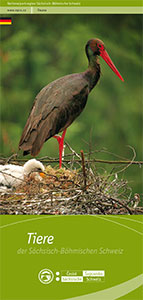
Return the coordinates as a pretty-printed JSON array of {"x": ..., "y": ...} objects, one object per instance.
[{"x": 12, "y": 175}]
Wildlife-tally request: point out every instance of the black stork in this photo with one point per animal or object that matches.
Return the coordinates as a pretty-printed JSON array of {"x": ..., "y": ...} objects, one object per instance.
[{"x": 59, "y": 103}]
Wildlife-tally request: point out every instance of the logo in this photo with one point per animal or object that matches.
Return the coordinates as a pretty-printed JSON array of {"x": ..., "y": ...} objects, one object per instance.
[{"x": 46, "y": 276}]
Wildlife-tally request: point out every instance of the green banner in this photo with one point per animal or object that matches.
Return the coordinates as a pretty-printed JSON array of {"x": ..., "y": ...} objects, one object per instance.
[
  {"x": 62, "y": 257},
  {"x": 80, "y": 3}
]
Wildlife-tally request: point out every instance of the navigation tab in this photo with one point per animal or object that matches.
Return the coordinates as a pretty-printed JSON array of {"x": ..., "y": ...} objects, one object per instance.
[{"x": 15, "y": 10}]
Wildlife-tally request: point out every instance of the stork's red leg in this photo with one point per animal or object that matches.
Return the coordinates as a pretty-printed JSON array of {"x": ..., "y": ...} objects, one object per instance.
[{"x": 60, "y": 140}]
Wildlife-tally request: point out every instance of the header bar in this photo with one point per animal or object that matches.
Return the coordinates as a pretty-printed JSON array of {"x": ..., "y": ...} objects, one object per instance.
[{"x": 74, "y": 3}]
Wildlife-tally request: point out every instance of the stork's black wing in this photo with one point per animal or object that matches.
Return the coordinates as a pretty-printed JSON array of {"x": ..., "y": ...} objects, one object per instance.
[{"x": 54, "y": 109}]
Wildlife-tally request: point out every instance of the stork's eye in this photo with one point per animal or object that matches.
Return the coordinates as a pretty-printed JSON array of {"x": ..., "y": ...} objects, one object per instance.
[{"x": 101, "y": 47}]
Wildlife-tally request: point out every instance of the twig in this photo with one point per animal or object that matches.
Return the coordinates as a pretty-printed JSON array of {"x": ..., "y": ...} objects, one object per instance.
[
  {"x": 73, "y": 151},
  {"x": 83, "y": 169},
  {"x": 121, "y": 203},
  {"x": 9, "y": 158},
  {"x": 131, "y": 162},
  {"x": 102, "y": 161}
]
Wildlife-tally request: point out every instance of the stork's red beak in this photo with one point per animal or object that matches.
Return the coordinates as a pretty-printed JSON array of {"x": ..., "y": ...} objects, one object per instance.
[{"x": 108, "y": 60}]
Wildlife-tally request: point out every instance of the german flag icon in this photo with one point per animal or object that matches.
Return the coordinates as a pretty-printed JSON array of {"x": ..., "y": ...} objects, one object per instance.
[{"x": 5, "y": 21}]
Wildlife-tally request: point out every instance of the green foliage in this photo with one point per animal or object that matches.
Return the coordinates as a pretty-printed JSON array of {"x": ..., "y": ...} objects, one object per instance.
[{"x": 38, "y": 49}]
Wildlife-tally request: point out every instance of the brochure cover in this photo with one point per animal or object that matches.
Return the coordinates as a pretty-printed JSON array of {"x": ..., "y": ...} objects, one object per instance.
[{"x": 71, "y": 207}]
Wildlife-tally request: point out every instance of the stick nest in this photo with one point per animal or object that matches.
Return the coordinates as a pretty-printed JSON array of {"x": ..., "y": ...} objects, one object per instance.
[{"x": 64, "y": 191}]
